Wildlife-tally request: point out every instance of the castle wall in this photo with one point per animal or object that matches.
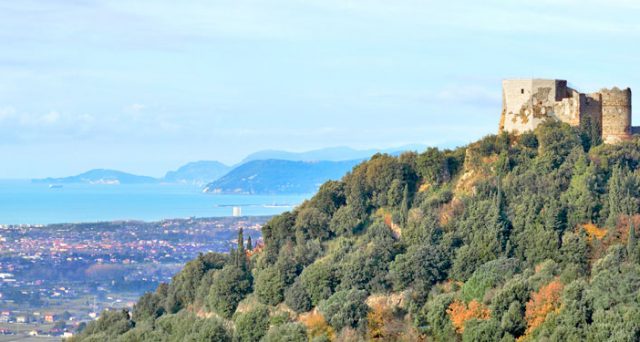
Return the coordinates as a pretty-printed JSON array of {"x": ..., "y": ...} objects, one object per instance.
[
  {"x": 591, "y": 109},
  {"x": 616, "y": 115},
  {"x": 528, "y": 103},
  {"x": 568, "y": 109}
]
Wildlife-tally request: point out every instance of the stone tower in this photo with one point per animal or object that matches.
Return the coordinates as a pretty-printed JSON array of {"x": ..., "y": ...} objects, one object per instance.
[
  {"x": 616, "y": 115},
  {"x": 526, "y": 103}
]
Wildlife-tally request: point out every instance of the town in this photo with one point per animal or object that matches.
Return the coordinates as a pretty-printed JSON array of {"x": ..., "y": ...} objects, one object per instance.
[{"x": 55, "y": 278}]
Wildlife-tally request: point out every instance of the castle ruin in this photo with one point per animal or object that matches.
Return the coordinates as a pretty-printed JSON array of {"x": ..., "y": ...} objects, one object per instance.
[{"x": 526, "y": 103}]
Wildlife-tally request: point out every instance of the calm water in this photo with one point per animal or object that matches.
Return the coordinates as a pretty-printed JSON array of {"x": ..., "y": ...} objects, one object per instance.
[{"x": 25, "y": 202}]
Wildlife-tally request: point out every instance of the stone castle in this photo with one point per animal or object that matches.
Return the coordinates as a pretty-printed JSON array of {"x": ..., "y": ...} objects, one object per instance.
[{"x": 528, "y": 102}]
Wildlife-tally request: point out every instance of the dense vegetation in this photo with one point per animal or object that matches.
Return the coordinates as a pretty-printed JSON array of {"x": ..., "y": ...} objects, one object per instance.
[{"x": 528, "y": 237}]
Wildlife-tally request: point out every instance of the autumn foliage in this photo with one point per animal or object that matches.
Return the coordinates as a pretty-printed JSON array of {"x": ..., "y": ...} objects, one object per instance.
[
  {"x": 316, "y": 325},
  {"x": 594, "y": 232},
  {"x": 460, "y": 313},
  {"x": 543, "y": 302}
]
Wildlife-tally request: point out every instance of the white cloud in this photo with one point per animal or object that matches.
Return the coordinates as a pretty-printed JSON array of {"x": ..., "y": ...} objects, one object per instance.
[
  {"x": 6, "y": 113},
  {"x": 50, "y": 118}
]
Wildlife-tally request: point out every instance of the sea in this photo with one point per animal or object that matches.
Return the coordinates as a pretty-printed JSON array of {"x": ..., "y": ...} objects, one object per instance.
[{"x": 24, "y": 202}]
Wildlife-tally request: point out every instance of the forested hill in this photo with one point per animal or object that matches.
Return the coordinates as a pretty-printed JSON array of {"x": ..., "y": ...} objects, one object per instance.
[
  {"x": 274, "y": 176},
  {"x": 512, "y": 238}
]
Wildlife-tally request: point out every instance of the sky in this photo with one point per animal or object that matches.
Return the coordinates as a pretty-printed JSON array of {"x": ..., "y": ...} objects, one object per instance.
[{"x": 145, "y": 86}]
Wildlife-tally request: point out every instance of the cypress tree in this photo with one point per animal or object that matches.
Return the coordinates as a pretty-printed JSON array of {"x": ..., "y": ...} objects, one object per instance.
[
  {"x": 405, "y": 204},
  {"x": 616, "y": 196},
  {"x": 240, "y": 254},
  {"x": 632, "y": 243},
  {"x": 249, "y": 244}
]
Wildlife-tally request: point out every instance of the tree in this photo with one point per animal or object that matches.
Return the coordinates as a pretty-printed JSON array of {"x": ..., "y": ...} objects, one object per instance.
[
  {"x": 425, "y": 263},
  {"x": 148, "y": 306},
  {"x": 482, "y": 330},
  {"x": 632, "y": 244},
  {"x": 249, "y": 244},
  {"x": 319, "y": 281},
  {"x": 109, "y": 325},
  {"x": 404, "y": 205},
  {"x": 253, "y": 325},
  {"x": 345, "y": 221},
  {"x": 240, "y": 254},
  {"x": 543, "y": 302},
  {"x": 460, "y": 313},
  {"x": 183, "y": 288},
  {"x": 345, "y": 308},
  {"x": 296, "y": 298},
  {"x": 269, "y": 286},
  {"x": 513, "y": 320},
  {"x": 432, "y": 166},
  {"x": 311, "y": 223},
  {"x": 289, "y": 332},
  {"x": 230, "y": 286}
]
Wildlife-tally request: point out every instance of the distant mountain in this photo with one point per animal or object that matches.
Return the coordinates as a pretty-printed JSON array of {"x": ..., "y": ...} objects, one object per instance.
[
  {"x": 200, "y": 173},
  {"x": 101, "y": 176},
  {"x": 327, "y": 154},
  {"x": 279, "y": 176}
]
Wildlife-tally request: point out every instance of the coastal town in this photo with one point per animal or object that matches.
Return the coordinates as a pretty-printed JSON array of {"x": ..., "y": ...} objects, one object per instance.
[{"x": 56, "y": 278}]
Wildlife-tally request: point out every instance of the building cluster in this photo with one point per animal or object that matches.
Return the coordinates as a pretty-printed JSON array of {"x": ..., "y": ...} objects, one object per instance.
[{"x": 53, "y": 278}]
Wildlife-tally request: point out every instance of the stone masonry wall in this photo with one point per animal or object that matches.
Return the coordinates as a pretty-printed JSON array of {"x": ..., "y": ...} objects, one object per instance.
[
  {"x": 526, "y": 103},
  {"x": 616, "y": 115}
]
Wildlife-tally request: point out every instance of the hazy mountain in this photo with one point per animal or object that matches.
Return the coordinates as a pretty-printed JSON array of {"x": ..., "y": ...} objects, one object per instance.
[
  {"x": 200, "y": 172},
  {"x": 101, "y": 176},
  {"x": 280, "y": 176},
  {"x": 341, "y": 153}
]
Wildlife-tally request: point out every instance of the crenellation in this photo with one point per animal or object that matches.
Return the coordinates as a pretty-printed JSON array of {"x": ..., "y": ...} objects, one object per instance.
[{"x": 526, "y": 103}]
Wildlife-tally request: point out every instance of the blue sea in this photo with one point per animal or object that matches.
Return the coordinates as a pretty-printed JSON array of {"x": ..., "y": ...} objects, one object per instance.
[{"x": 24, "y": 202}]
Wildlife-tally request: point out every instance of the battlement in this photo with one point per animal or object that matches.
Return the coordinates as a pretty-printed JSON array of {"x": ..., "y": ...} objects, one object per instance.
[
  {"x": 616, "y": 97},
  {"x": 526, "y": 103}
]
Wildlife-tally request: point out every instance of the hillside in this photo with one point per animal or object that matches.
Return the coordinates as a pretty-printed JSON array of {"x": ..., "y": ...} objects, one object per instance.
[
  {"x": 528, "y": 238},
  {"x": 199, "y": 173},
  {"x": 340, "y": 153},
  {"x": 100, "y": 176},
  {"x": 279, "y": 177}
]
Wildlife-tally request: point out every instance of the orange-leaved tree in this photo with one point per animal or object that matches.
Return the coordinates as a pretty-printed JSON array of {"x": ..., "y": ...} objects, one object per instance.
[
  {"x": 543, "y": 302},
  {"x": 460, "y": 313}
]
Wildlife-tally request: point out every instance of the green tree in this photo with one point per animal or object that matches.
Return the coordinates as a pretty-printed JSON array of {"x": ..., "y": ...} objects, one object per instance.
[
  {"x": 253, "y": 325},
  {"x": 296, "y": 298},
  {"x": 319, "y": 281},
  {"x": 289, "y": 332},
  {"x": 312, "y": 223},
  {"x": 269, "y": 286},
  {"x": 230, "y": 286},
  {"x": 345, "y": 309},
  {"x": 513, "y": 320},
  {"x": 345, "y": 221}
]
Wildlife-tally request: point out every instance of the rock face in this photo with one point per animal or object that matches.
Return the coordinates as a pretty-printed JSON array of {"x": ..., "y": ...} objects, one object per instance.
[{"x": 526, "y": 103}]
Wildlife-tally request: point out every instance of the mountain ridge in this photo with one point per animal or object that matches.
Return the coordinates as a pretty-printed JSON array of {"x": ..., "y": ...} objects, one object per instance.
[{"x": 275, "y": 176}]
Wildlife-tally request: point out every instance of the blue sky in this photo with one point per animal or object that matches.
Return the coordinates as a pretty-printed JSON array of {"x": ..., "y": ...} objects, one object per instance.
[{"x": 145, "y": 86}]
